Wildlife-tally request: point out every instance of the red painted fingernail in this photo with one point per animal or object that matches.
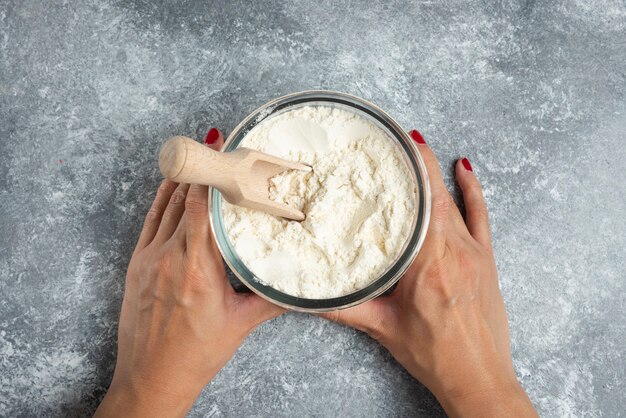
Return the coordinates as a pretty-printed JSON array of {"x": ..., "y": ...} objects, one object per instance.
[
  {"x": 212, "y": 136},
  {"x": 417, "y": 137},
  {"x": 466, "y": 164}
]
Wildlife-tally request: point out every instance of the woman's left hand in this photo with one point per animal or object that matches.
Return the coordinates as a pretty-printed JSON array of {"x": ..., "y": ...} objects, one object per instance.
[{"x": 181, "y": 321}]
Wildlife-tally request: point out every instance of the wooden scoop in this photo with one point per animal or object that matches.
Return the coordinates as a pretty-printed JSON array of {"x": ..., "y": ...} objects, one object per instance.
[{"x": 242, "y": 176}]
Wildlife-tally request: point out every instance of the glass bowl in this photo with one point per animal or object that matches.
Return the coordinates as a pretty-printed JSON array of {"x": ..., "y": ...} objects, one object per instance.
[{"x": 419, "y": 224}]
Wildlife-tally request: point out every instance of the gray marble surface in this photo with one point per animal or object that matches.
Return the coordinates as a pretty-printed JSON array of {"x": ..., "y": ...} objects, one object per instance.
[{"x": 533, "y": 92}]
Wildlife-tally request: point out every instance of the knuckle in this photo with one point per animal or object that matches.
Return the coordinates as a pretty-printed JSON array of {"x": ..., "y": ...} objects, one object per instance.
[
  {"x": 135, "y": 268},
  {"x": 198, "y": 281},
  {"x": 153, "y": 216},
  {"x": 178, "y": 197},
  {"x": 482, "y": 212},
  {"x": 143, "y": 263},
  {"x": 148, "y": 268},
  {"x": 435, "y": 272},
  {"x": 473, "y": 187},
  {"x": 467, "y": 263},
  {"x": 184, "y": 298},
  {"x": 429, "y": 158},
  {"x": 196, "y": 206},
  {"x": 197, "y": 276},
  {"x": 166, "y": 261},
  {"x": 436, "y": 279},
  {"x": 164, "y": 188},
  {"x": 441, "y": 205}
]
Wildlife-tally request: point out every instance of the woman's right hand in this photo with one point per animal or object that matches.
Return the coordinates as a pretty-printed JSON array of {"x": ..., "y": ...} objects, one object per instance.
[{"x": 446, "y": 322}]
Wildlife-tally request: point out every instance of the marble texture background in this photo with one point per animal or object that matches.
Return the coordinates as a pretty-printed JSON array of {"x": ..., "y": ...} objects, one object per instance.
[{"x": 531, "y": 91}]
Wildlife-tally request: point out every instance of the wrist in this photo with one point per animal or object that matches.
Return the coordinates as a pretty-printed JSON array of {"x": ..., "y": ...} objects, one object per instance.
[
  {"x": 138, "y": 400},
  {"x": 500, "y": 398}
]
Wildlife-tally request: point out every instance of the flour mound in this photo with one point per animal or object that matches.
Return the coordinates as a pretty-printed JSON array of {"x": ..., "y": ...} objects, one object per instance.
[{"x": 359, "y": 203}]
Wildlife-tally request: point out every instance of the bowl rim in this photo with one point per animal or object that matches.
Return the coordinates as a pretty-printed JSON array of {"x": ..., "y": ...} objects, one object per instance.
[{"x": 419, "y": 226}]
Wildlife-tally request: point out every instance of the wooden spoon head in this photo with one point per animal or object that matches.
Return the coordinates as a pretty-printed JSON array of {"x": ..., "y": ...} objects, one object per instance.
[{"x": 254, "y": 173}]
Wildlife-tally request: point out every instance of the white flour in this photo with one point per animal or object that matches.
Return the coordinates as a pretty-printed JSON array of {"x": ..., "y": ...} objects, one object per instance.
[{"x": 358, "y": 201}]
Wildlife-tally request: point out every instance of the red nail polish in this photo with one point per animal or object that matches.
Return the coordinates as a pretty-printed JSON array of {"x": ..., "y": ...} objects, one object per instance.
[
  {"x": 417, "y": 137},
  {"x": 212, "y": 136},
  {"x": 466, "y": 164}
]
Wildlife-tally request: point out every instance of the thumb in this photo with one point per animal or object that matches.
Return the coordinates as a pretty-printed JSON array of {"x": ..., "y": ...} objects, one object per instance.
[
  {"x": 375, "y": 317},
  {"x": 254, "y": 310},
  {"x": 214, "y": 139}
]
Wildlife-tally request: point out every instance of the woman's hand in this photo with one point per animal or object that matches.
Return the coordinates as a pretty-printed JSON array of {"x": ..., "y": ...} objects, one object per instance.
[
  {"x": 446, "y": 322},
  {"x": 181, "y": 321}
]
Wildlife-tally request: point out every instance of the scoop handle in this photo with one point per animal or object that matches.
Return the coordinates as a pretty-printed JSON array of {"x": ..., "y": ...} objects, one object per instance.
[{"x": 184, "y": 160}]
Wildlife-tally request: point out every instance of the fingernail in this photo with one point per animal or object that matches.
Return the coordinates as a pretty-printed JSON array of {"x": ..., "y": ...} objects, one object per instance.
[
  {"x": 417, "y": 137},
  {"x": 466, "y": 164},
  {"x": 212, "y": 136}
]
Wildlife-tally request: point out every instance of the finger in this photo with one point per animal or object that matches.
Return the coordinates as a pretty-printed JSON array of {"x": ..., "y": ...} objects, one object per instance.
[
  {"x": 172, "y": 214},
  {"x": 197, "y": 220},
  {"x": 438, "y": 186},
  {"x": 181, "y": 230},
  {"x": 373, "y": 317},
  {"x": 153, "y": 218},
  {"x": 255, "y": 310},
  {"x": 440, "y": 198},
  {"x": 214, "y": 139},
  {"x": 476, "y": 214}
]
